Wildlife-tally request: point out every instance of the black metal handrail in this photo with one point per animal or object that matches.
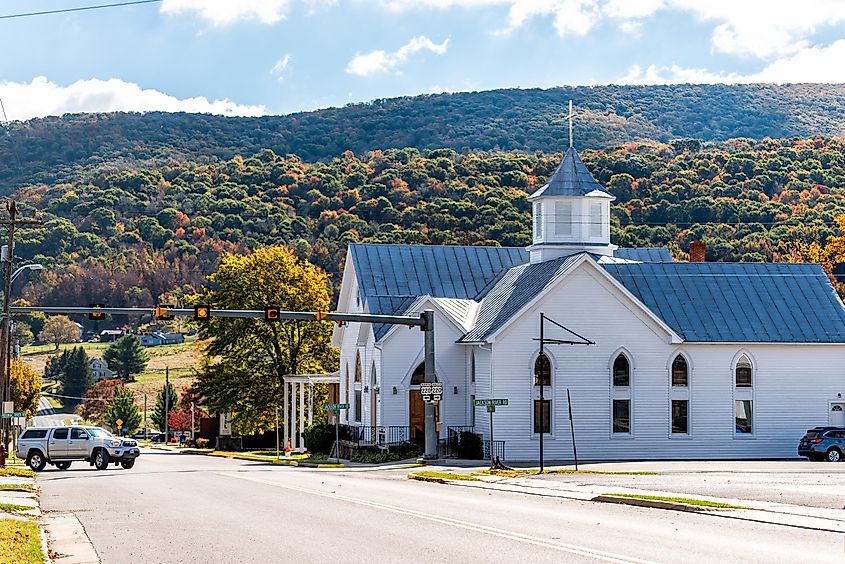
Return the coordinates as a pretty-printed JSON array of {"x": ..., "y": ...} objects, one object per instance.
[
  {"x": 375, "y": 435},
  {"x": 498, "y": 449}
]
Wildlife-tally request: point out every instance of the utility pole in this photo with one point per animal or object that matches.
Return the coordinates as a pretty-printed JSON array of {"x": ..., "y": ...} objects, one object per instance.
[
  {"x": 146, "y": 425},
  {"x": 5, "y": 337},
  {"x": 430, "y": 423},
  {"x": 166, "y": 405},
  {"x": 543, "y": 375}
]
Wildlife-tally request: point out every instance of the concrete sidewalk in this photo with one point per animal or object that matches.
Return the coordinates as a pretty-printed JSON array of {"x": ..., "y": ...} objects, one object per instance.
[{"x": 582, "y": 487}]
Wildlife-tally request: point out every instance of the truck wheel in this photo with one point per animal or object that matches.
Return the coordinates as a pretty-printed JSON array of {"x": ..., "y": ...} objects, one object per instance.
[
  {"x": 62, "y": 465},
  {"x": 127, "y": 464},
  {"x": 101, "y": 460},
  {"x": 36, "y": 461}
]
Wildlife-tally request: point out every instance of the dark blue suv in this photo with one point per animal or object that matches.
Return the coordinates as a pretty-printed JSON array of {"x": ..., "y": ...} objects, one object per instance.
[{"x": 823, "y": 443}]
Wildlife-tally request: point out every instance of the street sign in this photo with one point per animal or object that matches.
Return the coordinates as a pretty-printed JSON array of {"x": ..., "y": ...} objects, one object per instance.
[
  {"x": 336, "y": 407},
  {"x": 13, "y": 414},
  {"x": 8, "y": 407},
  {"x": 491, "y": 408},
  {"x": 119, "y": 422},
  {"x": 482, "y": 402},
  {"x": 7, "y": 416},
  {"x": 19, "y": 414},
  {"x": 431, "y": 389},
  {"x": 19, "y": 421}
]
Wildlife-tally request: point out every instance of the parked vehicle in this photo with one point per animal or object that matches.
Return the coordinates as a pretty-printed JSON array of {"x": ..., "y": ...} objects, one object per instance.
[
  {"x": 823, "y": 443},
  {"x": 60, "y": 446}
]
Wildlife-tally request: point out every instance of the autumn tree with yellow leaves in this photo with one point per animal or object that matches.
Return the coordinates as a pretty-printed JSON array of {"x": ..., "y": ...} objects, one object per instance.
[
  {"x": 25, "y": 387},
  {"x": 246, "y": 359}
]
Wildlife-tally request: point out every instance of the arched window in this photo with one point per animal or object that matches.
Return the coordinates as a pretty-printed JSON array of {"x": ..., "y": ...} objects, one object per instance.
[
  {"x": 358, "y": 368},
  {"x": 472, "y": 367},
  {"x": 542, "y": 370},
  {"x": 680, "y": 372},
  {"x": 373, "y": 378},
  {"x": 621, "y": 371},
  {"x": 418, "y": 377},
  {"x": 743, "y": 372}
]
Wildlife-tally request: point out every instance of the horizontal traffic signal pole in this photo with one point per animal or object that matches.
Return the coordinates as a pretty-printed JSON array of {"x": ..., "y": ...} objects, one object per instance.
[{"x": 411, "y": 321}]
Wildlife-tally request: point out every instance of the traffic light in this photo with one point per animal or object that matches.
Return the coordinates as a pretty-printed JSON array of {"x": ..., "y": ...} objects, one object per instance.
[
  {"x": 271, "y": 314},
  {"x": 320, "y": 315},
  {"x": 162, "y": 312},
  {"x": 202, "y": 313},
  {"x": 96, "y": 315}
]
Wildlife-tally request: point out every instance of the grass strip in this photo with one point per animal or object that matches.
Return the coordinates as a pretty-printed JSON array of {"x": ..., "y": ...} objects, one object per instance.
[
  {"x": 15, "y": 507},
  {"x": 684, "y": 500},
  {"x": 16, "y": 487},
  {"x": 20, "y": 542},
  {"x": 445, "y": 476},
  {"x": 16, "y": 473},
  {"x": 518, "y": 472}
]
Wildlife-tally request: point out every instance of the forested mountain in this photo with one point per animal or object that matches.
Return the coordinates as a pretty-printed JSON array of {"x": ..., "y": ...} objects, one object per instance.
[
  {"x": 125, "y": 236},
  {"x": 61, "y": 149}
]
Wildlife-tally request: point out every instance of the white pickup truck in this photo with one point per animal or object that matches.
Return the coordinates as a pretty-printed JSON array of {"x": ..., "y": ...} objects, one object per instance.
[{"x": 61, "y": 446}]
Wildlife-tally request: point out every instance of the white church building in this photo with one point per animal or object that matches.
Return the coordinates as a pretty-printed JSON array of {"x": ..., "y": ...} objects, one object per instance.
[{"x": 689, "y": 359}]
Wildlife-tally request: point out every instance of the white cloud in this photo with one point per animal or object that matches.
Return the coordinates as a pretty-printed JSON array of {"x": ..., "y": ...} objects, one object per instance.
[
  {"x": 224, "y": 12},
  {"x": 382, "y": 61},
  {"x": 810, "y": 64},
  {"x": 42, "y": 98},
  {"x": 759, "y": 28},
  {"x": 280, "y": 67}
]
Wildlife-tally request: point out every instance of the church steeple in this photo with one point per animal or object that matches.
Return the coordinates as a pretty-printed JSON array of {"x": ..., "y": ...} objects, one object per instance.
[{"x": 571, "y": 211}]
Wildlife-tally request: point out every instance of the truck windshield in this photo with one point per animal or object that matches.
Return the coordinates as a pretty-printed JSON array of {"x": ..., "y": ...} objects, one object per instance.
[{"x": 98, "y": 433}]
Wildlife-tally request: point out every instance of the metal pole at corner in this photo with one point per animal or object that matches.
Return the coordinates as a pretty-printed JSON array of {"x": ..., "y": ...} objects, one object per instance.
[
  {"x": 572, "y": 429},
  {"x": 430, "y": 377},
  {"x": 542, "y": 358}
]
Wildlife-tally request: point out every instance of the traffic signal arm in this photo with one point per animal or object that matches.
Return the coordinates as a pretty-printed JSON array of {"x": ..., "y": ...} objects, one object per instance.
[{"x": 236, "y": 313}]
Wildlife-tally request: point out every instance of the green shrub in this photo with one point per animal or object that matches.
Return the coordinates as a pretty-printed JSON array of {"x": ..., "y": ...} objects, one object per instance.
[
  {"x": 470, "y": 446},
  {"x": 395, "y": 454},
  {"x": 319, "y": 438}
]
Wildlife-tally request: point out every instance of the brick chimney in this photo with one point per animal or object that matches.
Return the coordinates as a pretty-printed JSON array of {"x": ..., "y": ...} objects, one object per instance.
[{"x": 697, "y": 251}]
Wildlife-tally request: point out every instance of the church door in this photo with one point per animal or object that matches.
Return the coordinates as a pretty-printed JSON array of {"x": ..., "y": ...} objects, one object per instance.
[
  {"x": 416, "y": 417},
  {"x": 837, "y": 415}
]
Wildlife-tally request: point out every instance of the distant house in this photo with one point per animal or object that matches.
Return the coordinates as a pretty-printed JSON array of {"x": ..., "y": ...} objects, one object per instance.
[
  {"x": 100, "y": 370},
  {"x": 109, "y": 335},
  {"x": 158, "y": 338}
]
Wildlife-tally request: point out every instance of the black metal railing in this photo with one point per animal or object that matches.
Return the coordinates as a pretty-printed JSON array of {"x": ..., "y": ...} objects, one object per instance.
[
  {"x": 462, "y": 442},
  {"x": 498, "y": 449},
  {"x": 377, "y": 436}
]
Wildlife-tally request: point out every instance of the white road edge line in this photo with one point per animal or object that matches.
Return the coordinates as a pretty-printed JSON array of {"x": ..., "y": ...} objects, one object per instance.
[{"x": 511, "y": 535}]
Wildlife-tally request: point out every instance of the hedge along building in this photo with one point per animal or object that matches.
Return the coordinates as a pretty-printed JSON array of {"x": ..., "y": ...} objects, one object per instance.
[{"x": 691, "y": 359}]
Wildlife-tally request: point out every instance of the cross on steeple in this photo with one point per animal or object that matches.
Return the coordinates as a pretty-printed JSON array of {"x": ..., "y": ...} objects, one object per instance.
[{"x": 569, "y": 117}]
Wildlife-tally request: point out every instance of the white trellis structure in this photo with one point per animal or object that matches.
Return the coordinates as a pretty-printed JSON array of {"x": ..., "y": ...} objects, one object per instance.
[{"x": 299, "y": 389}]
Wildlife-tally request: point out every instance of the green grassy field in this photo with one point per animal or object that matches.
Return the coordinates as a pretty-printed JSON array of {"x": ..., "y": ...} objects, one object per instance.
[{"x": 20, "y": 542}]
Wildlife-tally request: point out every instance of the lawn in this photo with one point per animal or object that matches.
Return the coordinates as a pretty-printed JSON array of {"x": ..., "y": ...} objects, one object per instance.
[
  {"x": 16, "y": 472},
  {"x": 527, "y": 472},
  {"x": 445, "y": 476},
  {"x": 20, "y": 542},
  {"x": 16, "y": 487},
  {"x": 684, "y": 500}
]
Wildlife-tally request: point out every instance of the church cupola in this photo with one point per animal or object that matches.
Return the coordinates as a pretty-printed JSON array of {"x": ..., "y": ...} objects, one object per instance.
[{"x": 571, "y": 212}]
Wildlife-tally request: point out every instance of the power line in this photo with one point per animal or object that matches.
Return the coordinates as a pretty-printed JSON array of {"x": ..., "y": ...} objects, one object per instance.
[{"x": 78, "y": 9}]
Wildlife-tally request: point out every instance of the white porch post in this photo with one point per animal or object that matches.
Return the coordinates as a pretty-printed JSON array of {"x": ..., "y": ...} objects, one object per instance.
[
  {"x": 301, "y": 416},
  {"x": 285, "y": 413},
  {"x": 294, "y": 435},
  {"x": 310, "y": 403}
]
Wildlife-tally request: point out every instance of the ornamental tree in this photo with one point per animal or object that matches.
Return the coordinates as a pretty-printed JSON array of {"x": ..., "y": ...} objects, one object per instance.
[
  {"x": 246, "y": 359},
  {"x": 123, "y": 409},
  {"x": 59, "y": 329},
  {"x": 25, "y": 388}
]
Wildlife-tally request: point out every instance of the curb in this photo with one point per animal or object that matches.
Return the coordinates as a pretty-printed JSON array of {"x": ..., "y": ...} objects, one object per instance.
[
  {"x": 656, "y": 504},
  {"x": 279, "y": 461},
  {"x": 428, "y": 479}
]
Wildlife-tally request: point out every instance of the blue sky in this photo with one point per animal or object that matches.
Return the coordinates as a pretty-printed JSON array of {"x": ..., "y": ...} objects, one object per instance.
[{"x": 252, "y": 57}]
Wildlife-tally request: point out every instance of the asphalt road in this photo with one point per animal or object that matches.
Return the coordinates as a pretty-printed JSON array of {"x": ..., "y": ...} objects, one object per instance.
[
  {"x": 179, "y": 508},
  {"x": 47, "y": 416}
]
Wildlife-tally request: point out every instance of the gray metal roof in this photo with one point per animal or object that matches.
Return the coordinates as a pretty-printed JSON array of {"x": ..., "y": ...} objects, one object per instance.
[
  {"x": 644, "y": 254},
  {"x": 512, "y": 292},
  {"x": 570, "y": 179},
  {"x": 738, "y": 302},
  {"x": 437, "y": 271}
]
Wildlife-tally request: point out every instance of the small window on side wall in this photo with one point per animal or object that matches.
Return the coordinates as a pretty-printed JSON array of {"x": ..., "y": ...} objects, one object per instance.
[
  {"x": 744, "y": 417},
  {"x": 680, "y": 372},
  {"x": 621, "y": 371},
  {"x": 743, "y": 372},
  {"x": 542, "y": 371},
  {"x": 622, "y": 416}
]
